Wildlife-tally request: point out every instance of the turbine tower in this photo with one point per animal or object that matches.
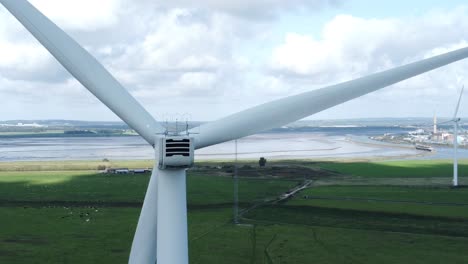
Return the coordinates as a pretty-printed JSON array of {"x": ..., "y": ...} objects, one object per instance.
[
  {"x": 456, "y": 121},
  {"x": 161, "y": 234}
]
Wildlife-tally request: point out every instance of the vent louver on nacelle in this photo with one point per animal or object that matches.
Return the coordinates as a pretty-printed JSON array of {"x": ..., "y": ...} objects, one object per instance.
[
  {"x": 177, "y": 147},
  {"x": 175, "y": 152}
]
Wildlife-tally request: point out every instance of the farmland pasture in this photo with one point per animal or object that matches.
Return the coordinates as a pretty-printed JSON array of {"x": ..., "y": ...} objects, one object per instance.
[{"x": 52, "y": 215}]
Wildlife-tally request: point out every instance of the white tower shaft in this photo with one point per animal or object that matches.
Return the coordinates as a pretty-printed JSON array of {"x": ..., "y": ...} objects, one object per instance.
[
  {"x": 172, "y": 238},
  {"x": 455, "y": 154}
]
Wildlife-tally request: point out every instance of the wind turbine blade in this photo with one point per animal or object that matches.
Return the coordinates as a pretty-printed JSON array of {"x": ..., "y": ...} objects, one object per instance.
[
  {"x": 284, "y": 111},
  {"x": 144, "y": 244},
  {"x": 85, "y": 68},
  {"x": 458, "y": 104}
]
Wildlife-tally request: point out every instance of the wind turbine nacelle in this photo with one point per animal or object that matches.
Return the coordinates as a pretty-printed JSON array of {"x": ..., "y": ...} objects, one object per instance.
[{"x": 175, "y": 152}]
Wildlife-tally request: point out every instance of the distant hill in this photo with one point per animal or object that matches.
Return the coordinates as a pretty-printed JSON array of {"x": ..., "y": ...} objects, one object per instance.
[{"x": 80, "y": 124}]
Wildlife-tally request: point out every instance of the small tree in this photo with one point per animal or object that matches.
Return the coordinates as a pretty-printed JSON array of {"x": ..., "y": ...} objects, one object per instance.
[{"x": 262, "y": 162}]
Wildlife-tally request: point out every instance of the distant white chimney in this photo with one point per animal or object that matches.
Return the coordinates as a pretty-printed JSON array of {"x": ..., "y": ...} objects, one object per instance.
[{"x": 435, "y": 124}]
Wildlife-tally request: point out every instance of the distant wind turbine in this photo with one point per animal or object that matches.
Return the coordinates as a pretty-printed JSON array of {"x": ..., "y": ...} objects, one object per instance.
[
  {"x": 161, "y": 234},
  {"x": 456, "y": 121}
]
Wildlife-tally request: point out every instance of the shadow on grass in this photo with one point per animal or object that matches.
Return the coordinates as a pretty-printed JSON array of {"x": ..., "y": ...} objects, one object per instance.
[
  {"x": 205, "y": 188},
  {"x": 72, "y": 187}
]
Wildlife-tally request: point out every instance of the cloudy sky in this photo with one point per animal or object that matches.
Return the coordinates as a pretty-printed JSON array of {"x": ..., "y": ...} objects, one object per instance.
[{"x": 210, "y": 58}]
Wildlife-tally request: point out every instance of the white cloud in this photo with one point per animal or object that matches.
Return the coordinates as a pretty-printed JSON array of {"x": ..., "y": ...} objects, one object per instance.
[
  {"x": 21, "y": 55},
  {"x": 350, "y": 47},
  {"x": 184, "y": 53},
  {"x": 86, "y": 15},
  {"x": 176, "y": 45},
  {"x": 198, "y": 80},
  {"x": 159, "y": 50},
  {"x": 203, "y": 57},
  {"x": 247, "y": 9}
]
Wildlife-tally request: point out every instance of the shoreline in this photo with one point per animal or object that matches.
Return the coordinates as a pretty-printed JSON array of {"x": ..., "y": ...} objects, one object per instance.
[
  {"x": 375, "y": 143},
  {"x": 303, "y": 146}
]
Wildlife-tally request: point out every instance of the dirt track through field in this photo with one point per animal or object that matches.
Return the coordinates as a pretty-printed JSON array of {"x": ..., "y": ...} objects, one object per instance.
[{"x": 382, "y": 200}]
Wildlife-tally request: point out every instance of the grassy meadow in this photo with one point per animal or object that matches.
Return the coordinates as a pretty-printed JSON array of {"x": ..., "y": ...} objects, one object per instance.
[{"x": 382, "y": 212}]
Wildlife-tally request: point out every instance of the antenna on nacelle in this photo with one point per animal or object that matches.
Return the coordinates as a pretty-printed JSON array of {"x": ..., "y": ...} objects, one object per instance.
[
  {"x": 186, "y": 116},
  {"x": 167, "y": 123},
  {"x": 186, "y": 123}
]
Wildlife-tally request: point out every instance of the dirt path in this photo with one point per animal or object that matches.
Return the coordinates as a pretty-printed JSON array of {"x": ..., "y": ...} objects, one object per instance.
[{"x": 383, "y": 200}]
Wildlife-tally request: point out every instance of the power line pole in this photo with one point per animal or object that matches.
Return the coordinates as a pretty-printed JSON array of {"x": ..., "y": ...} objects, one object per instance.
[{"x": 236, "y": 187}]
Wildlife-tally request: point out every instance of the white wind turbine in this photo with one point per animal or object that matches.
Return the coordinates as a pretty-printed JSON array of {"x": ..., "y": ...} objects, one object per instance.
[
  {"x": 456, "y": 121},
  {"x": 161, "y": 234}
]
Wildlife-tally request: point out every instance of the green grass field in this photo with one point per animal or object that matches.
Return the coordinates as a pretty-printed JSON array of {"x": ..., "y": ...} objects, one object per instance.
[
  {"x": 66, "y": 212},
  {"x": 407, "y": 169}
]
